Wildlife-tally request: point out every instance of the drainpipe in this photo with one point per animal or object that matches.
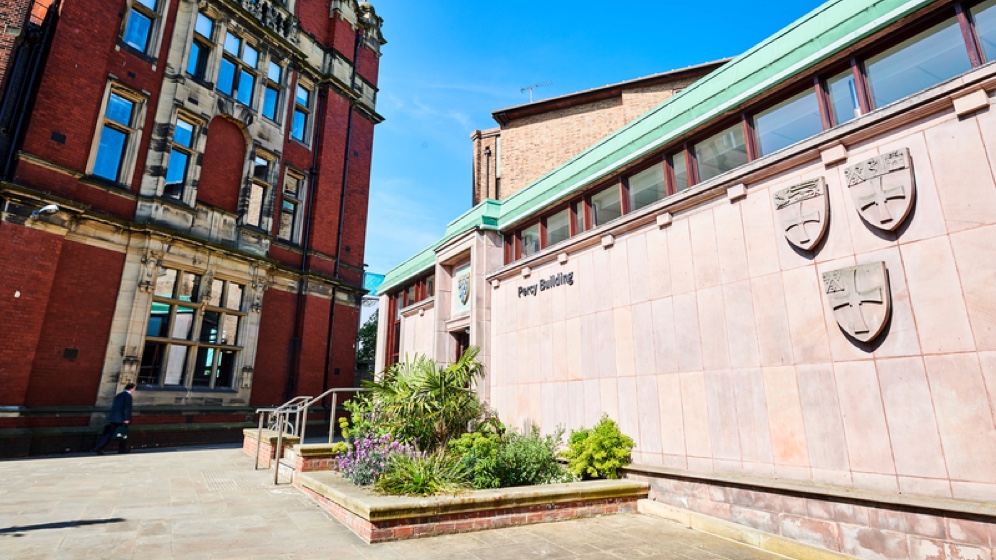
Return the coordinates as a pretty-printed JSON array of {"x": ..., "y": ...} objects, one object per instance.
[
  {"x": 295, "y": 351},
  {"x": 26, "y": 94},
  {"x": 357, "y": 42}
]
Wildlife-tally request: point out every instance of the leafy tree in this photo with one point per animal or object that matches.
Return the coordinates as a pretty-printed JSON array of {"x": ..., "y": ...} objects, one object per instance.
[{"x": 366, "y": 341}]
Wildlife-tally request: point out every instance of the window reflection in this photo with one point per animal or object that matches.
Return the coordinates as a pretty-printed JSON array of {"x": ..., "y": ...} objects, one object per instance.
[
  {"x": 530, "y": 240},
  {"x": 558, "y": 227},
  {"x": 925, "y": 60},
  {"x": 790, "y": 121},
  {"x": 606, "y": 205},
  {"x": 721, "y": 152},
  {"x": 646, "y": 187}
]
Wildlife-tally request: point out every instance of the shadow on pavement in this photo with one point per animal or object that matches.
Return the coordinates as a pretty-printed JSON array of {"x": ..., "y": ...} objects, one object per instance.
[{"x": 18, "y": 531}]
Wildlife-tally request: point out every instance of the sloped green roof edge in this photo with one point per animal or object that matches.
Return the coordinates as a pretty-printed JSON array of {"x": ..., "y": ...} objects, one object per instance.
[
  {"x": 795, "y": 49},
  {"x": 482, "y": 216}
]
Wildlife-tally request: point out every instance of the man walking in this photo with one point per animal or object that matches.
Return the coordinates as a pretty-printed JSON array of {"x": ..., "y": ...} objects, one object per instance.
[{"x": 117, "y": 421}]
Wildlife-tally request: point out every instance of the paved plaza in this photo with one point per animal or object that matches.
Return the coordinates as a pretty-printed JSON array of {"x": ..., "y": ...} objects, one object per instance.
[{"x": 210, "y": 504}]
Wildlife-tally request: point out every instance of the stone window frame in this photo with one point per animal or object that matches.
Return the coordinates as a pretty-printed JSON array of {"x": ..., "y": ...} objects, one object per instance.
[
  {"x": 279, "y": 113},
  {"x": 194, "y": 151},
  {"x": 211, "y": 62},
  {"x": 265, "y": 183},
  {"x": 240, "y": 65},
  {"x": 129, "y": 158},
  {"x": 157, "y": 16},
  {"x": 297, "y": 199},
  {"x": 200, "y": 303},
  {"x": 307, "y": 110}
]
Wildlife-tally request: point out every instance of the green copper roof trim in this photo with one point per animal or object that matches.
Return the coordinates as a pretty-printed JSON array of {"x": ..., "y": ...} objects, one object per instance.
[
  {"x": 483, "y": 216},
  {"x": 784, "y": 56},
  {"x": 815, "y": 37}
]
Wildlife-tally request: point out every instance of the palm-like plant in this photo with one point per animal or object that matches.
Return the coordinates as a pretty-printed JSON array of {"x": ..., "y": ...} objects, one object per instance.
[{"x": 428, "y": 404}]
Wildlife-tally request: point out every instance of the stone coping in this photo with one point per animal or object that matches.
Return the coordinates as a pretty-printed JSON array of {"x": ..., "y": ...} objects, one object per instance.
[
  {"x": 314, "y": 449},
  {"x": 270, "y": 436},
  {"x": 377, "y": 508},
  {"x": 949, "y": 505}
]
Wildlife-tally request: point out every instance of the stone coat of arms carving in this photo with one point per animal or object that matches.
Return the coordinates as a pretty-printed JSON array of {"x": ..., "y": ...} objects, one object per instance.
[
  {"x": 883, "y": 188},
  {"x": 463, "y": 290},
  {"x": 803, "y": 210},
  {"x": 860, "y": 299}
]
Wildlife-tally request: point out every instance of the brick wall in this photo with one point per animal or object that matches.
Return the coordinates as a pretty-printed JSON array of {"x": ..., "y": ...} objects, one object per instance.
[
  {"x": 485, "y": 167},
  {"x": 223, "y": 165},
  {"x": 77, "y": 321},
  {"x": 30, "y": 259},
  {"x": 13, "y": 16}
]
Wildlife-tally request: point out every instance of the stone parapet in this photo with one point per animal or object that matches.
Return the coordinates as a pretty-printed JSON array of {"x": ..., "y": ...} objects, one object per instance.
[{"x": 779, "y": 515}]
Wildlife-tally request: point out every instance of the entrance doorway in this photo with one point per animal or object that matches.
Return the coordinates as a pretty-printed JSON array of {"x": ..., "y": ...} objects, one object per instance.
[{"x": 461, "y": 341}]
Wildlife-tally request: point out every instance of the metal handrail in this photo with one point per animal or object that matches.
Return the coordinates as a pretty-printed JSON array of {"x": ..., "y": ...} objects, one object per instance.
[
  {"x": 268, "y": 414},
  {"x": 298, "y": 406},
  {"x": 335, "y": 398}
]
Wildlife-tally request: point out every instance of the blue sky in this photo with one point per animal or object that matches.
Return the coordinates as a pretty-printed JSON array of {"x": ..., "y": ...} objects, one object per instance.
[{"x": 448, "y": 65}]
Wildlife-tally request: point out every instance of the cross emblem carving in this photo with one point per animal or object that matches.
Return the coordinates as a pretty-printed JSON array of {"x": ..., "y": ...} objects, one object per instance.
[
  {"x": 853, "y": 298},
  {"x": 800, "y": 206},
  {"x": 883, "y": 188},
  {"x": 860, "y": 299},
  {"x": 800, "y": 222},
  {"x": 879, "y": 196}
]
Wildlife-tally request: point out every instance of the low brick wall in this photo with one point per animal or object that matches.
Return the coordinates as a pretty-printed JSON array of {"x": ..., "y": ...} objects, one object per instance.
[
  {"x": 379, "y": 518},
  {"x": 313, "y": 457},
  {"x": 857, "y": 523},
  {"x": 267, "y": 446}
]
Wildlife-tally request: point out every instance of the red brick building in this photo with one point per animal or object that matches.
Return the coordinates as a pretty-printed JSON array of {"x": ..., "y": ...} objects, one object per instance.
[{"x": 184, "y": 202}]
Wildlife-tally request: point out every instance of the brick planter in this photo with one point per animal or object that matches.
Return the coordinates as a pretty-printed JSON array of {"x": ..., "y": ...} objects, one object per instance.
[{"x": 378, "y": 518}]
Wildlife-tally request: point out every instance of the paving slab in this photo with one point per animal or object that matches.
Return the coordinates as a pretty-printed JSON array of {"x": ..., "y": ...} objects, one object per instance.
[{"x": 209, "y": 503}]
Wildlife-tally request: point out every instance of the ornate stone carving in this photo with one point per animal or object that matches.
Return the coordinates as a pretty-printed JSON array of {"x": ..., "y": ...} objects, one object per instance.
[
  {"x": 803, "y": 210},
  {"x": 274, "y": 16},
  {"x": 371, "y": 24},
  {"x": 463, "y": 289},
  {"x": 150, "y": 274},
  {"x": 860, "y": 298},
  {"x": 883, "y": 188},
  {"x": 262, "y": 279}
]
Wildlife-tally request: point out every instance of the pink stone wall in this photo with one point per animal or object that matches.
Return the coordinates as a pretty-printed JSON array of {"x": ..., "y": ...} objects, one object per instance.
[{"x": 713, "y": 345}]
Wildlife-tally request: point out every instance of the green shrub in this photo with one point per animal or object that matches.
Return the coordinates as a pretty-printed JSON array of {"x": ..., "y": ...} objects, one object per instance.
[
  {"x": 478, "y": 452},
  {"x": 598, "y": 452},
  {"x": 428, "y": 405},
  {"x": 340, "y": 448},
  {"x": 365, "y": 419},
  {"x": 422, "y": 475},
  {"x": 530, "y": 458}
]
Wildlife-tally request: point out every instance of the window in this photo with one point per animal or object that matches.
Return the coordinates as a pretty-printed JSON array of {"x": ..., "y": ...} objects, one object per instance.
[
  {"x": 606, "y": 205},
  {"x": 679, "y": 171},
  {"x": 271, "y": 95},
  {"x": 302, "y": 114},
  {"x": 290, "y": 207},
  {"x": 119, "y": 133},
  {"x": 646, "y": 187},
  {"x": 142, "y": 25},
  {"x": 237, "y": 76},
  {"x": 788, "y": 122},
  {"x": 200, "y": 48},
  {"x": 578, "y": 209},
  {"x": 558, "y": 227},
  {"x": 192, "y": 341},
  {"x": 262, "y": 179},
  {"x": 843, "y": 93},
  {"x": 430, "y": 286},
  {"x": 984, "y": 16},
  {"x": 721, "y": 152},
  {"x": 530, "y": 240},
  {"x": 180, "y": 159},
  {"x": 929, "y": 58}
]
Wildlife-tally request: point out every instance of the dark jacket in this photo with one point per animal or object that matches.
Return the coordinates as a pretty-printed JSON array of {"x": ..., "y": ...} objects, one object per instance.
[{"x": 121, "y": 409}]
